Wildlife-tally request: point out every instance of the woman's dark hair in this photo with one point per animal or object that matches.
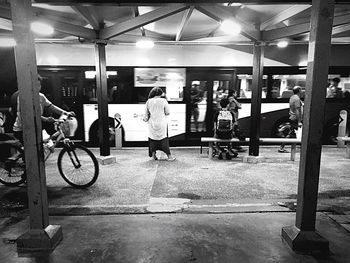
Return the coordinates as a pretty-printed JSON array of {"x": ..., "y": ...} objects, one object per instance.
[{"x": 156, "y": 91}]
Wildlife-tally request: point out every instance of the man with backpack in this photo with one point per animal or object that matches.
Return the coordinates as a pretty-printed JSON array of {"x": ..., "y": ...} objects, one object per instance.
[{"x": 224, "y": 124}]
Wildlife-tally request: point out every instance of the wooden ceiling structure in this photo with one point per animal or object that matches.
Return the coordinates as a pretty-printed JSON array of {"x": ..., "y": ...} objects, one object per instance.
[{"x": 178, "y": 22}]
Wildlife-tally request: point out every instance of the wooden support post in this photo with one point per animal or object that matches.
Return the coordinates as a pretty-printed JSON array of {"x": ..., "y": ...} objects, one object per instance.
[
  {"x": 41, "y": 236},
  {"x": 102, "y": 97},
  {"x": 258, "y": 65},
  {"x": 293, "y": 151},
  {"x": 210, "y": 150},
  {"x": 303, "y": 236}
]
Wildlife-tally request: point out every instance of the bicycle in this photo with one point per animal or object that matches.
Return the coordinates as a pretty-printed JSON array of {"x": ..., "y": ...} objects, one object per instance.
[{"x": 77, "y": 165}]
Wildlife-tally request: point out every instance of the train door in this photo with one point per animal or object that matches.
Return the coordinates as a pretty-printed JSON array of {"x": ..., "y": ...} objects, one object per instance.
[{"x": 204, "y": 92}]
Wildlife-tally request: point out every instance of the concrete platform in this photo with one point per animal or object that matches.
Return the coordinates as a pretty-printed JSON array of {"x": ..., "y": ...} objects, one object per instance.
[{"x": 242, "y": 237}]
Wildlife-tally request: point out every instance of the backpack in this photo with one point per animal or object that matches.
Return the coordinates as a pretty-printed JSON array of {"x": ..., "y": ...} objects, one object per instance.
[{"x": 224, "y": 125}]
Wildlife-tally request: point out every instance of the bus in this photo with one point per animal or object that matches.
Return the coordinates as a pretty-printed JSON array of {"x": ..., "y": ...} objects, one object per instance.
[{"x": 74, "y": 88}]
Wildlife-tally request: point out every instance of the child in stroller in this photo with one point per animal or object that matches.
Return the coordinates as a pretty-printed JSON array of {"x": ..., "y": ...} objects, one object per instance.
[{"x": 224, "y": 129}]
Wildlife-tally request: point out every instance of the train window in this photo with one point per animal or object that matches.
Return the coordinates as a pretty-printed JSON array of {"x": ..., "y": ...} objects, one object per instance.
[{"x": 245, "y": 83}]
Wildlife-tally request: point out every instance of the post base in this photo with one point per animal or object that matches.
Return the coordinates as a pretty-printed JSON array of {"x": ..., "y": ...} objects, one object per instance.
[
  {"x": 253, "y": 159},
  {"x": 103, "y": 160},
  {"x": 40, "y": 240},
  {"x": 304, "y": 241}
]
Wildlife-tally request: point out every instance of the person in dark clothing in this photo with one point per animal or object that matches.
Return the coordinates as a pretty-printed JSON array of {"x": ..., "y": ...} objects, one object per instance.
[{"x": 223, "y": 124}]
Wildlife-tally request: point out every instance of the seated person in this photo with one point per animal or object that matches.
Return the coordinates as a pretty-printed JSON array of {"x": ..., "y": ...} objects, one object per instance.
[{"x": 223, "y": 125}]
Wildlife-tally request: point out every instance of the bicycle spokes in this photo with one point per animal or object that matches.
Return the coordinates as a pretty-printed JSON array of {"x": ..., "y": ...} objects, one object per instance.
[{"x": 74, "y": 158}]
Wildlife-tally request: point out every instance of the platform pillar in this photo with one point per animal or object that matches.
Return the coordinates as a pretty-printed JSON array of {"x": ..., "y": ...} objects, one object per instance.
[{"x": 303, "y": 236}]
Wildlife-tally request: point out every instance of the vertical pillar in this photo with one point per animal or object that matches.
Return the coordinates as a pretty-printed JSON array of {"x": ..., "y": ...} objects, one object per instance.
[
  {"x": 258, "y": 66},
  {"x": 41, "y": 235},
  {"x": 303, "y": 236},
  {"x": 102, "y": 97}
]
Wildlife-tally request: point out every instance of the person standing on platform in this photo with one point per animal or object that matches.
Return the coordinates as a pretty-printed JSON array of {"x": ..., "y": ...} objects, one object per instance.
[
  {"x": 295, "y": 115},
  {"x": 156, "y": 110}
]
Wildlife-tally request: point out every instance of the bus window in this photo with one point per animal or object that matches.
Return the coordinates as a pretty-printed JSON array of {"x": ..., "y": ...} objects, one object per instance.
[
  {"x": 282, "y": 86},
  {"x": 245, "y": 83}
]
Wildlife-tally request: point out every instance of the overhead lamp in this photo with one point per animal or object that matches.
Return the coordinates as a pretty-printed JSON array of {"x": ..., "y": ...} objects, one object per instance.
[
  {"x": 7, "y": 42},
  {"x": 282, "y": 44},
  {"x": 145, "y": 44},
  {"x": 41, "y": 28},
  {"x": 230, "y": 27}
]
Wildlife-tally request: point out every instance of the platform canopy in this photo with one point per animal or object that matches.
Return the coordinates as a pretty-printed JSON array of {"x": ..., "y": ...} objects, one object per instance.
[{"x": 178, "y": 22}]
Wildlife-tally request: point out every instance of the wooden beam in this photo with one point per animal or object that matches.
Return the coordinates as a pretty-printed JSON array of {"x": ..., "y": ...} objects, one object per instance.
[
  {"x": 62, "y": 27},
  {"x": 258, "y": 66},
  {"x": 161, "y": 2},
  {"x": 142, "y": 20},
  {"x": 219, "y": 14},
  {"x": 37, "y": 238},
  {"x": 284, "y": 15},
  {"x": 184, "y": 22},
  {"x": 137, "y": 13},
  {"x": 303, "y": 236},
  {"x": 85, "y": 13},
  {"x": 102, "y": 98},
  {"x": 340, "y": 29},
  {"x": 294, "y": 30},
  {"x": 69, "y": 29}
]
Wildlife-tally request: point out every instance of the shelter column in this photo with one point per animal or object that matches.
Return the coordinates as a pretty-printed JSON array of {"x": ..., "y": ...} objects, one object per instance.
[
  {"x": 258, "y": 66},
  {"x": 303, "y": 236},
  {"x": 102, "y": 97},
  {"x": 41, "y": 235}
]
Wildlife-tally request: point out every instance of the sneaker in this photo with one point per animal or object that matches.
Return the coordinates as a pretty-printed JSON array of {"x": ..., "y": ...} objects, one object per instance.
[
  {"x": 282, "y": 151},
  {"x": 171, "y": 159}
]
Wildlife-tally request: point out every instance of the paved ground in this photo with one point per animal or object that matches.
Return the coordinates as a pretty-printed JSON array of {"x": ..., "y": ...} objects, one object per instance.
[{"x": 206, "y": 198}]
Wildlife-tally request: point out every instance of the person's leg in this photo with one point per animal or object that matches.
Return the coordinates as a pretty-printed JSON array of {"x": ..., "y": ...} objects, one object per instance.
[
  {"x": 166, "y": 149},
  {"x": 195, "y": 116}
]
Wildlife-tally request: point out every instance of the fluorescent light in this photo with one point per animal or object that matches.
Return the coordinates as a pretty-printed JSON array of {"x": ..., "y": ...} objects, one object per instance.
[
  {"x": 282, "y": 44},
  {"x": 92, "y": 74},
  {"x": 7, "y": 42},
  {"x": 145, "y": 44},
  {"x": 42, "y": 28},
  {"x": 230, "y": 27}
]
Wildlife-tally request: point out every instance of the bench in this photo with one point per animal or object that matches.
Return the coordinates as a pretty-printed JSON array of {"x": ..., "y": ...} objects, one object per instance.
[
  {"x": 347, "y": 143},
  {"x": 292, "y": 141}
]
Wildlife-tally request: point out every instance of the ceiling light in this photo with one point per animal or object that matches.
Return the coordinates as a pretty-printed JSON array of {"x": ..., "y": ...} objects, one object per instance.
[
  {"x": 230, "y": 27},
  {"x": 145, "y": 44},
  {"x": 282, "y": 44},
  {"x": 7, "y": 42},
  {"x": 42, "y": 28}
]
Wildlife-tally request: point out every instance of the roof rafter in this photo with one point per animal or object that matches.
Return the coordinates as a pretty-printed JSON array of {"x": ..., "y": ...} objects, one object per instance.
[
  {"x": 340, "y": 29},
  {"x": 219, "y": 14},
  {"x": 137, "y": 13},
  {"x": 62, "y": 27},
  {"x": 142, "y": 20},
  {"x": 294, "y": 30},
  {"x": 284, "y": 15},
  {"x": 87, "y": 15},
  {"x": 184, "y": 22}
]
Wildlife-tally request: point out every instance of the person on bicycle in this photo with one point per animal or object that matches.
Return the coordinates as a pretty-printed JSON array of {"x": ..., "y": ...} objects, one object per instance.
[{"x": 44, "y": 104}]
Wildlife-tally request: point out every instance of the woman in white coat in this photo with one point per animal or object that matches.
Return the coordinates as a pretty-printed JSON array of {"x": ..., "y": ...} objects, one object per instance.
[{"x": 157, "y": 108}]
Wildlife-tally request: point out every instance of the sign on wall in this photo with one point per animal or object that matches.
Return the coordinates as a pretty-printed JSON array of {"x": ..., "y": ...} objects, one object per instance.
[{"x": 161, "y": 77}]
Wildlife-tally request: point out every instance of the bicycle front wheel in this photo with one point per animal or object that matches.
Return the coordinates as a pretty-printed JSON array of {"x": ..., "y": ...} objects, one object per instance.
[
  {"x": 78, "y": 166},
  {"x": 12, "y": 170}
]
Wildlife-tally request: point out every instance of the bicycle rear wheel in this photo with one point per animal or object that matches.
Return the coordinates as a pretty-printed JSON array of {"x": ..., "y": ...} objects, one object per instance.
[
  {"x": 78, "y": 166},
  {"x": 12, "y": 171}
]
